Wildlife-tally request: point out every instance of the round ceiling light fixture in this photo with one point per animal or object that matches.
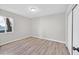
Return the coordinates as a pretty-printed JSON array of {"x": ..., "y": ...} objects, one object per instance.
[{"x": 33, "y": 9}]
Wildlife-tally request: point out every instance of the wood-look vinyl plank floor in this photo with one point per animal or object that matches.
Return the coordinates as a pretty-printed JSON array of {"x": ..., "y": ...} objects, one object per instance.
[{"x": 34, "y": 46}]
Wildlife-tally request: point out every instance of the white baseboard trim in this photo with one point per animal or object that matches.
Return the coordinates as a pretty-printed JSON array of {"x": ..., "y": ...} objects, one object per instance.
[
  {"x": 3, "y": 43},
  {"x": 49, "y": 39}
]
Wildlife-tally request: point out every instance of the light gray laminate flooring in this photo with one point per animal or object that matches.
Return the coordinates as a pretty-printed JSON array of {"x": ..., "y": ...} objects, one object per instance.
[{"x": 34, "y": 46}]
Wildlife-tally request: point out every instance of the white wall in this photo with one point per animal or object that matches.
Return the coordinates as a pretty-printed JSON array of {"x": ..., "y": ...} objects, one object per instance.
[
  {"x": 69, "y": 9},
  {"x": 70, "y": 32},
  {"x": 22, "y": 27},
  {"x": 51, "y": 27}
]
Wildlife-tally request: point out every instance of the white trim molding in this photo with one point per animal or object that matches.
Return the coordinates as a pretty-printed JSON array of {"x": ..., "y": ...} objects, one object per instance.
[
  {"x": 3, "y": 43},
  {"x": 49, "y": 39}
]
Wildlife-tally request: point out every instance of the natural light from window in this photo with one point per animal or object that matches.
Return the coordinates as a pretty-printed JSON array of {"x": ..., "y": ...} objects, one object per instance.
[{"x": 2, "y": 24}]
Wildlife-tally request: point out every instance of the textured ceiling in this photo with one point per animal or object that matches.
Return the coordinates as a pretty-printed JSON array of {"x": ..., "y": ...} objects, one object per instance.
[{"x": 43, "y": 9}]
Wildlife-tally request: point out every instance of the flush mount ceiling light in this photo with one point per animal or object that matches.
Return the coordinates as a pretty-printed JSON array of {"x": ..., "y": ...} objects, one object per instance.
[{"x": 33, "y": 9}]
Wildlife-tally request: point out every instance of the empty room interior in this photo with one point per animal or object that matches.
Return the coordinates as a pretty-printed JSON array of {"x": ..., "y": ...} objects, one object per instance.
[{"x": 39, "y": 29}]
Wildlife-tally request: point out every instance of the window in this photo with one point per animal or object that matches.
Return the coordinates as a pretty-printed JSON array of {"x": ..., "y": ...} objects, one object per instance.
[
  {"x": 2, "y": 24},
  {"x": 6, "y": 24}
]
